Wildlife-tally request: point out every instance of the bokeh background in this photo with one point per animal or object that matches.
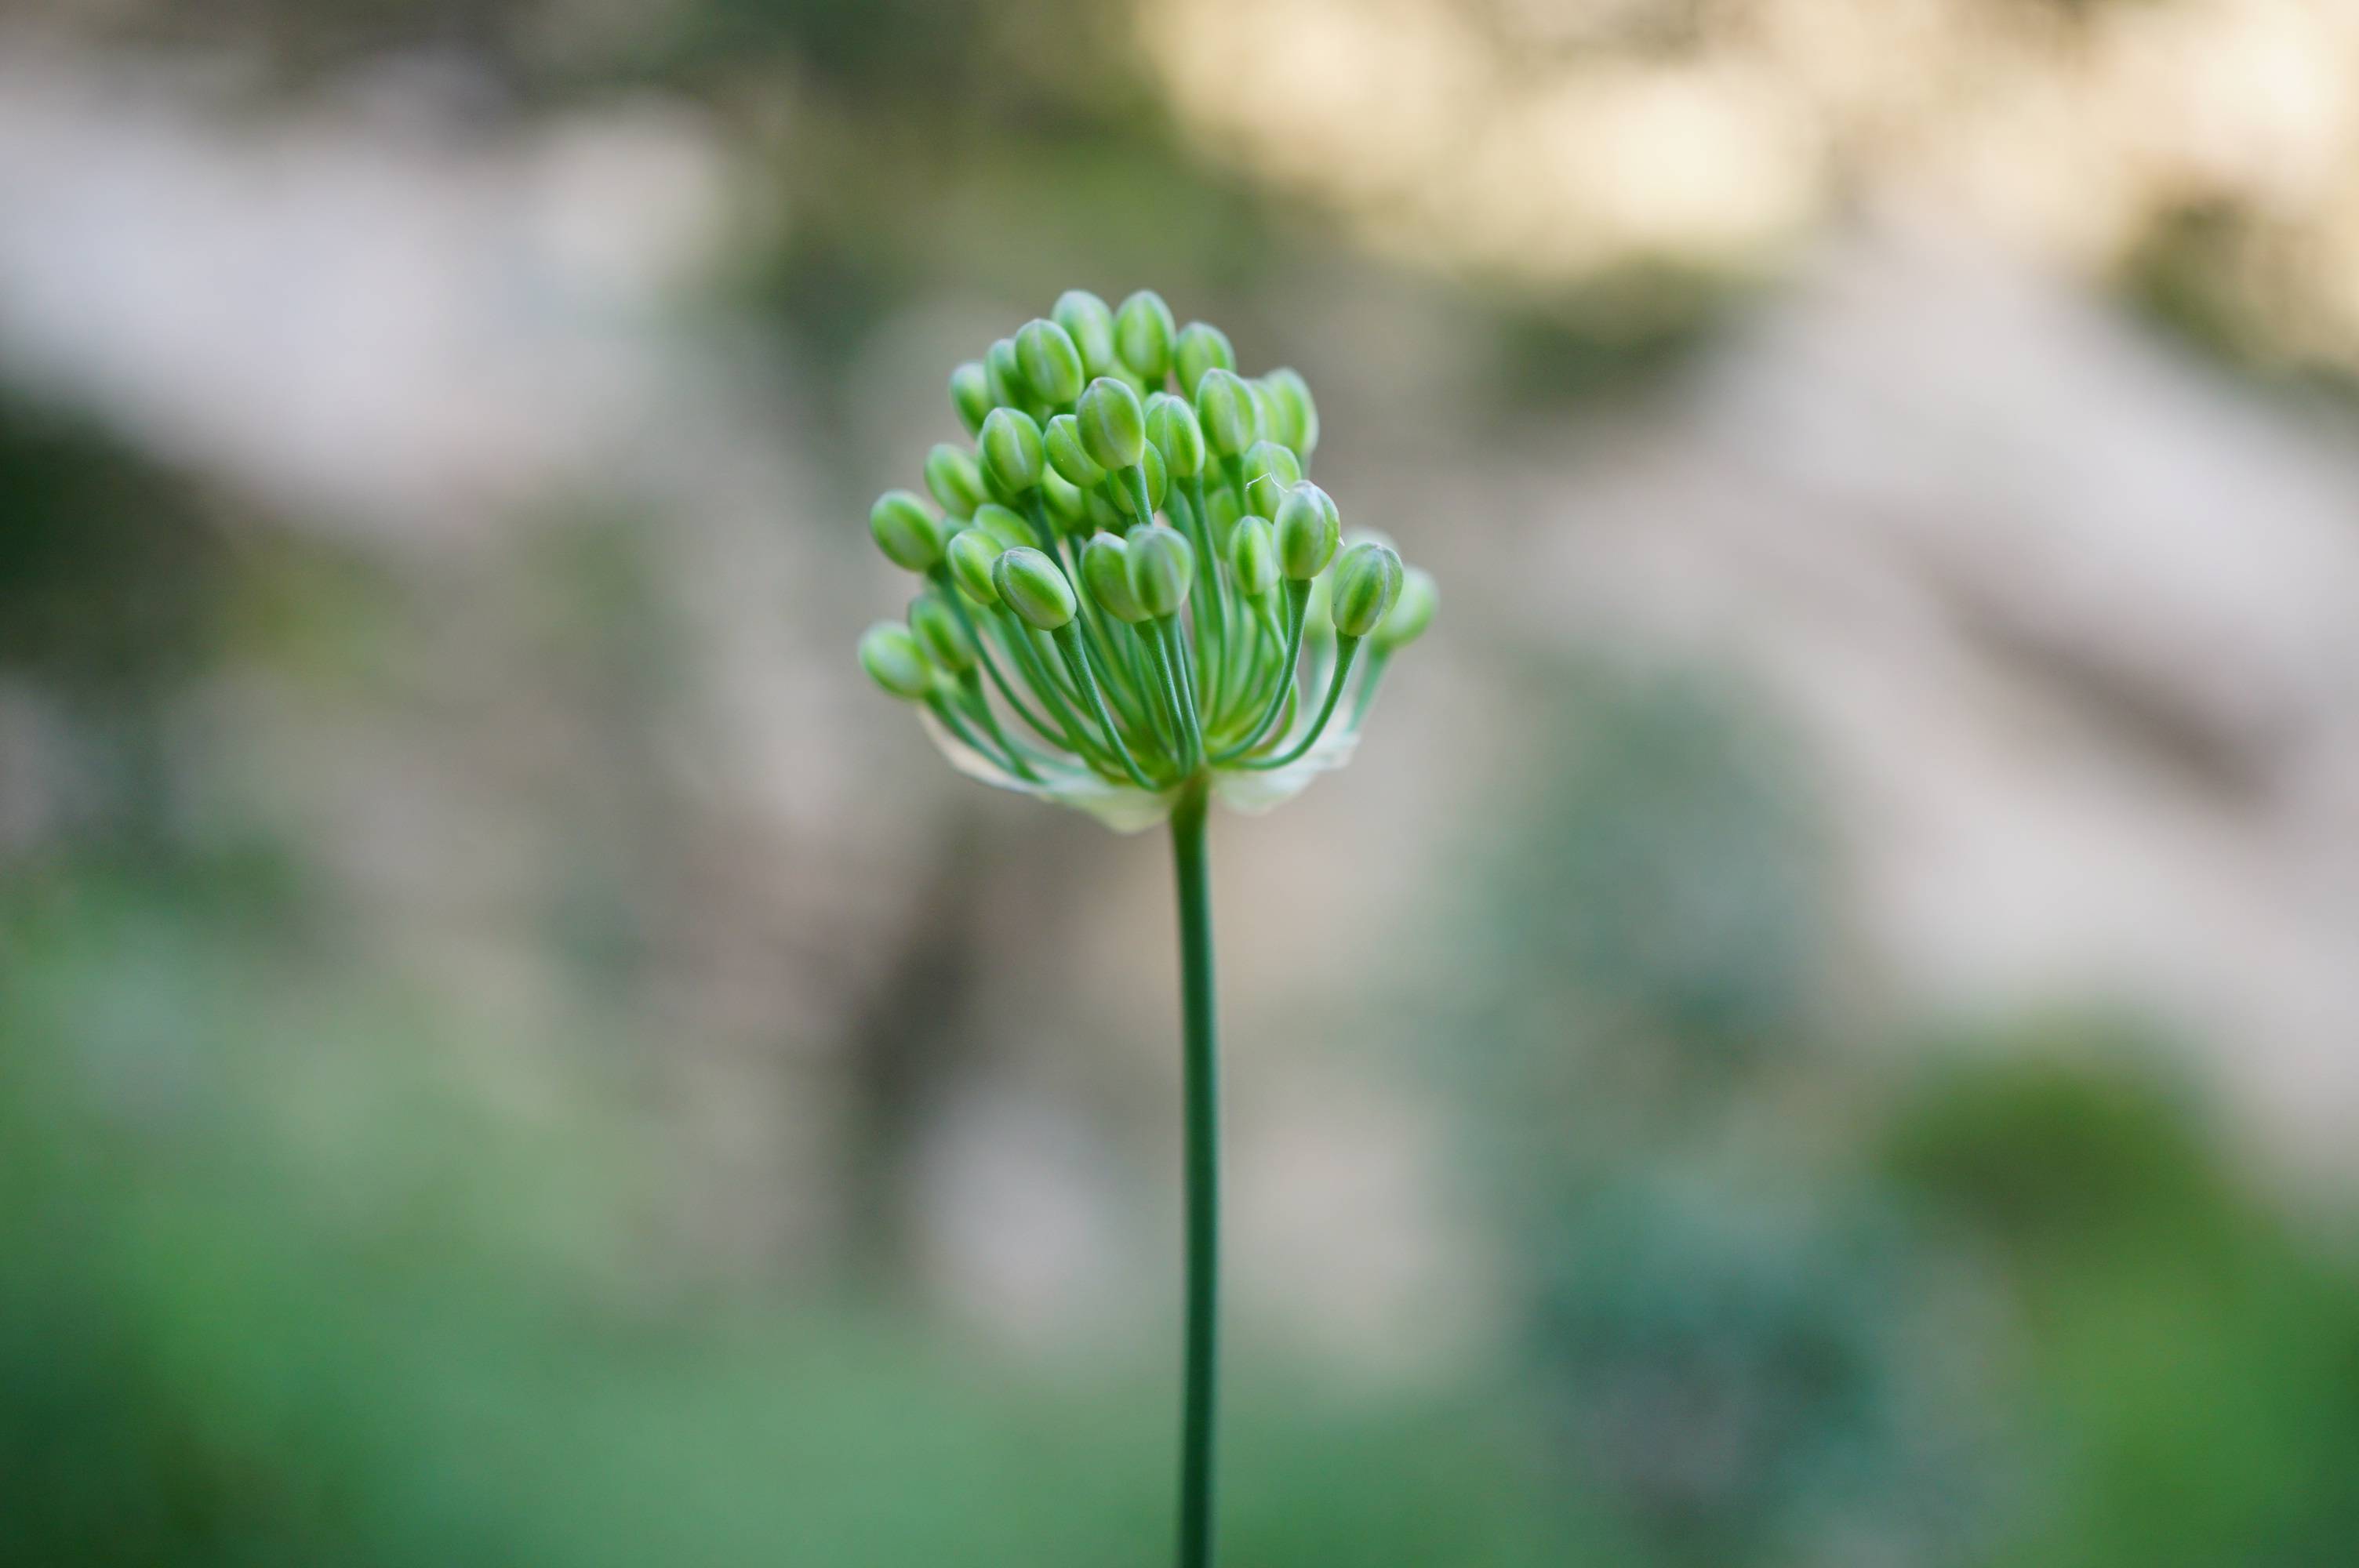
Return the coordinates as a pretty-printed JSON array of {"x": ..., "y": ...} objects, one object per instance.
[{"x": 1820, "y": 1031}]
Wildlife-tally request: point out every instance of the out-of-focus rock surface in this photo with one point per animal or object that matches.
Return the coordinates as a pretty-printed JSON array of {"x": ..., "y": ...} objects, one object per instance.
[{"x": 2070, "y": 623}]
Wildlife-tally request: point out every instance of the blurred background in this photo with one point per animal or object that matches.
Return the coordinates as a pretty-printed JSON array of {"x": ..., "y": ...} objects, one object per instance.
[{"x": 1819, "y": 1032}]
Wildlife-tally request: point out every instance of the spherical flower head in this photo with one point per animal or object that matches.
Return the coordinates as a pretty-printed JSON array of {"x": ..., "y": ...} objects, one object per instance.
[
  {"x": 1367, "y": 580},
  {"x": 1088, "y": 321},
  {"x": 1143, "y": 331},
  {"x": 1032, "y": 586},
  {"x": 1287, "y": 396},
  {"x": 1271, "y": 471},
  {"x": 1112, "y": 425},
  {"x": 1308, "y": 529},
  {"x": 1158, "y": 485},
  {"x": 910, "y": 534},
  {"x": 1151, "y": 705},
  {"x": 973, "y": 554},
  {"x": 1412, "y": 612},
  {"x": 1200, "y": 347},
  {"x": 1105, "y": 572},
  {"x": 940, "y": 632},
  {"x": 1002, "y": 524},
  {"x": 1226, "y": 411},
  {"x": 1253, "y": 555},
  {"x": 894, "y": 661},
  {"x": 1172, "y": 430},
  {"x": 971, "y": 395},
  {"x": 1051, "y": 362},
  {"x": 1011, "y": 451},
  {"x": 955, "y": 479},
  {"x": 1004, "y": 374},
  {"x": 1162, "y": 565},
  {"x": 1061, "y": 441}
]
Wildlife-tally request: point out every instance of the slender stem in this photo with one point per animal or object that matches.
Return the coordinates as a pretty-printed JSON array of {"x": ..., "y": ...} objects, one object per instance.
[
  {"x": 1202, "y": 1058},
  {"x": 1344, "y": 648},
  {"x": 1297, "y": 596}
]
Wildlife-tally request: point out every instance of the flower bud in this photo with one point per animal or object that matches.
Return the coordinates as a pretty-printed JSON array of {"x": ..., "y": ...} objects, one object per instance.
[
  {"x": 910, "y": 536},
  {"x": 1367, "y": 580},
  {"x": 940, "y": 634},
  {"x": 1004, "y": 372},
  {"x": 1004, "y": 524},
  {"x": 971, "y": 395},
  {"x": 1051, "y": 362},
  {"x": 1412, "y": 611},
  {"x": 1113, "y": 426},
  {"x": 1226, "y": 410},
  {"x": 1161, "y": 565},
  {"x": 1011, "y": 451},
  {"x": 1033, "y": 587},
  {"x": 972, "y": 556},
  {"x": 1090, "y": 323},
  {"x": 956, "y": 480},
  {"x": 1143, "y": 331},
  {"x": 1171, "y": 429},
  {"x": 1106, "y": 571},
  {"x": 1067, "y": 507},
  {"x": 1286, "y": 397},
  {"x": 1105, "y": 516},
  {"x": 1271, "y": 471},
  {"x": 894, "y": 661},
  {"x": 1158, "y": 485},
  {"x": 1222, "y": 512},
  {"x": 1253, "y": 555},
  {"x": 1306, "y": 531},
  {"x": 1199, "y": 347},
  {"x": 1063, "y": 443}
]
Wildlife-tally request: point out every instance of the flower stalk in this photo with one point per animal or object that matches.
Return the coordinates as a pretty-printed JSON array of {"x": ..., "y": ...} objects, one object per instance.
[{"x": 1135, "y": 605}]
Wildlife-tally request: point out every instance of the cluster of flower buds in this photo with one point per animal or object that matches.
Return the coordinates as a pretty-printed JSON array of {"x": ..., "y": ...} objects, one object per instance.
[{"x": 1129, "y": 583}]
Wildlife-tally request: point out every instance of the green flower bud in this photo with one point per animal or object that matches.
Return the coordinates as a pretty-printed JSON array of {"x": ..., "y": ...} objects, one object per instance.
[
  {"x": 1367, "y": 580},
  {"x": 1113, "y": 426},
  {"x": 971, "y": 395},
  {"x": 1412, "y": 611},
  {"x": 1105, "y": 516},
  {"x": 1051, "y": 362},
  {"x": 1004, "y": 373},
  {"x": 910, "y": 536},
  {"x": 1253, "y": 555},
  {"x": 1271, "y": 471},
  {"x": 1172, "y": 430},
  {"x": 956, "y": 480},
  {"x": 1222, "y": 511},
  {"x": 1226, "y": 410},
  {"x": 1105, "y": 570},
  {"x": 1090, "y": 323},
  {"x": 1158, "y": 485},
  {"x": 1143, "y": 331},
  {"x": 1005, "y": 526},
  {"x": 973, "y": 554},
  {"x": 1306, "y": 531},
  {"x": 1067, "y": 507},
  {"x": 1200, "y": 347},
  {"x": 1063, "y": 443},
  {"x": 1287, "y": 396},
  {"x": 1011, "y": 451},
  {"x": 1162, "y": 564},
  {"x": 894, "y": 661},
  {"x": 1033, "y": 587},
  {"x": 940, "y": 634}
]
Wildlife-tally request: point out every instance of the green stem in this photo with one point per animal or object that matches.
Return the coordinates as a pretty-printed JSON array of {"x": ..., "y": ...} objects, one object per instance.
[
  {"x": 1344, "y": 648},
  {"x": 1203, "y": 1093}
]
